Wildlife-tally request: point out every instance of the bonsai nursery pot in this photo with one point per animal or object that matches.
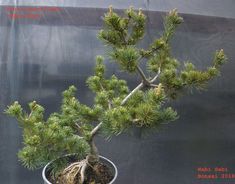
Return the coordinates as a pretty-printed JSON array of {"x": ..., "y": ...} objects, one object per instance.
[{"x": 103, "y": 160}]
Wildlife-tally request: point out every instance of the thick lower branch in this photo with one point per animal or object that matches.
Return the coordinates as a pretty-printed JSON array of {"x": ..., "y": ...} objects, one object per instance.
[{"x": 132, "y": 92}]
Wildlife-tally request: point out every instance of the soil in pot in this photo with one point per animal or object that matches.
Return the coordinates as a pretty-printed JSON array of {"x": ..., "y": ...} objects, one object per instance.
[{"x": 98, "y": 174}]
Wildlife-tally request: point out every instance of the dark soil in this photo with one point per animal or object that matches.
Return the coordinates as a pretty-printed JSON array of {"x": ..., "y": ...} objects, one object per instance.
[{"x": 99, "y": 174}]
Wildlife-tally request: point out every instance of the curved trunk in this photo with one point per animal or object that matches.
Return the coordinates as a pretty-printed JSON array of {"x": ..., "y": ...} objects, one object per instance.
[{"x": 93, "y": 156}]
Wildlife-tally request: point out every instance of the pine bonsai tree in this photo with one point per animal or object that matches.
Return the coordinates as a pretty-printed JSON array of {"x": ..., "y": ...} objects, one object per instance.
[{"x": 116, "y": 108}]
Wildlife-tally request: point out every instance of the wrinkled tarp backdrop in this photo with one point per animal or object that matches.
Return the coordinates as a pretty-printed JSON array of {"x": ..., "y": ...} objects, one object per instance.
[{"x": 39, "y": 58}]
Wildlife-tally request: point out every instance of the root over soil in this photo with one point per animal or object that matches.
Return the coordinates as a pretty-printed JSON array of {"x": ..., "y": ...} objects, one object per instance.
[{"x": 83, "y": 173}]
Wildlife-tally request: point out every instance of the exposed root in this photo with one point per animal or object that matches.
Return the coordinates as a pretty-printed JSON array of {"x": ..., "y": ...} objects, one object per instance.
[
  {"x": 70, "y": 173},
  {"x": 83, "y": 170}
]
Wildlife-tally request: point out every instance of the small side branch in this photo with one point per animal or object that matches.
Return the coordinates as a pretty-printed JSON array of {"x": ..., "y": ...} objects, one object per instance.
[
  {"x": 156, "y": 76},
  {"x": 140, "y": 71},
  {"x": 153, "y": 85},
  {"x": 110, "y": 104}
]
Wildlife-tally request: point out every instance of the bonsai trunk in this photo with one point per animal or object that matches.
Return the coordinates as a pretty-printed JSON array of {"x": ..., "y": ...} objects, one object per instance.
[{"x": 93, "y": 156}]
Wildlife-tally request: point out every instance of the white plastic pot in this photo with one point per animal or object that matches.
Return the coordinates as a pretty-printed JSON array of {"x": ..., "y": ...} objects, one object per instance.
[{"x": 103, "y": 160}]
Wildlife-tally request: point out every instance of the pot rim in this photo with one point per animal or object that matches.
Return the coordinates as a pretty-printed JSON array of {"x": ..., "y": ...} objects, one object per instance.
[{"x": 104, "y": 158}]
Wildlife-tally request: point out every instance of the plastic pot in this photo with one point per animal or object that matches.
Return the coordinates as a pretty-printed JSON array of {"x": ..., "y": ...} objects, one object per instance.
[{"x": 103, "y": 160}]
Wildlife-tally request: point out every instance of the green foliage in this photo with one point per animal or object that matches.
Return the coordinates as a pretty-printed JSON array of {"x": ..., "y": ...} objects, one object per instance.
[
  {"x": 123, "y": 31},
  {"x": 46, "y": 140},
  {"x": 147, "y": 108},
  {"x": 127, "y": 58},
  {"x": 72, "y": 128},
  {"x": 116, "y": 120},
  {"x": 107, "y": 90},
  {"x": 171, "y": 22},
  {"x": 163, "y": 61},
  {"x": 15, "y": 110},
  {"x": 137, "y": 24},
  {"x": 176, "y": 81},
  {"x": 219, "y": 59}
]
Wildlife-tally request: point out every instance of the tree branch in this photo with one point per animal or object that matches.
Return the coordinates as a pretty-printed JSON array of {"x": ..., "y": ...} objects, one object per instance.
[
  {"x": 140, "y": 71},
  {"x": 153, "y": 85},
  {"x": 156, "y": 76},
  {"x": 131, "y": 93},
  {"x": 110, "y": 104},
  {"x": 95, "y": 130}
]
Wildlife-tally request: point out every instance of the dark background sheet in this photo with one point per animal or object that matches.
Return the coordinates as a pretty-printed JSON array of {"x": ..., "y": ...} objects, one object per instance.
[{"x": 39, "y": 58}]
